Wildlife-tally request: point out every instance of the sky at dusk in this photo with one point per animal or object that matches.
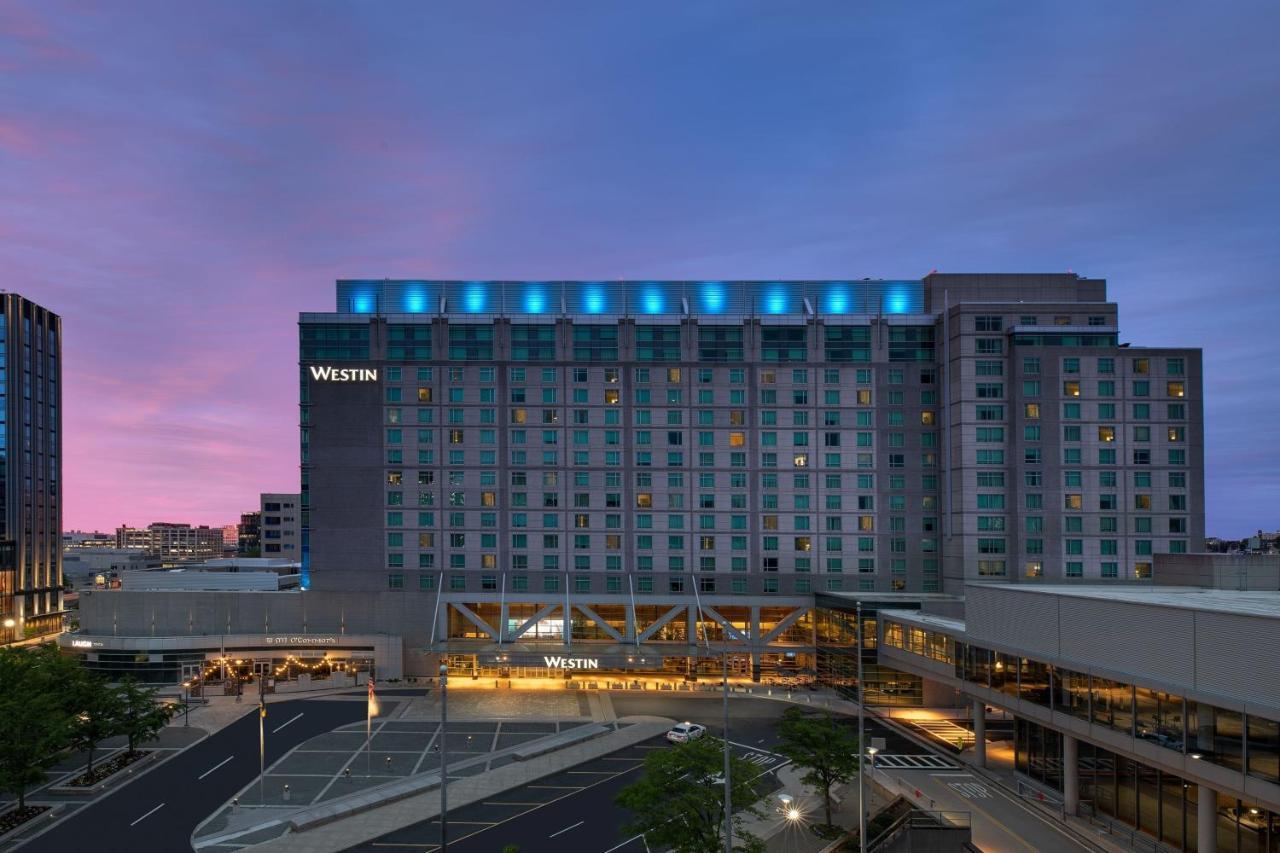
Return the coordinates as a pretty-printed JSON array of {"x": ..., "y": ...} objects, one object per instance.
[{"x": 179, "y": 180}]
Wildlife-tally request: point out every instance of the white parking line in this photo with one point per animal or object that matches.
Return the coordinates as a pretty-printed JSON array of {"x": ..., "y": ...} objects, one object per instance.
[
  {"x": 625, "y": 843},
  {"x": 566, "y": 829},
  {"x": 214, "y": 767},
  {"x": 147, "y": 815},
  {"x": 282, "y": 725}
]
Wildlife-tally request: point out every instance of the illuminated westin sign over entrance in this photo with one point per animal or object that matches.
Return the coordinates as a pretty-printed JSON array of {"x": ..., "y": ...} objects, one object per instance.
[
  {"x": 571, "y": 663},
  {"x": 343, "y": 374}
]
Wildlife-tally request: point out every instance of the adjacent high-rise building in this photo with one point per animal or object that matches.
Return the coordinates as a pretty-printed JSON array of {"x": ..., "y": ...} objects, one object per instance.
[
  {"x": 280, "y": 522},
  {"x": 30, "y": 469}
]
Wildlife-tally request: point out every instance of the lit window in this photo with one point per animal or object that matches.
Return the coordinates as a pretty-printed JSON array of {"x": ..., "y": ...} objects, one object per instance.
[
  {"x": 1106, "y": 433},
  {"x": 1071, "y": 389},
  {"x": 424, "y": 395},
  {"x": 1035, "y": 569},
  {"x": 1073, "y": 502},
  {"x": 737, "y": 439},
  {"x": 1177, "y": 389},
  {"x": 611, "y": 396},
  {"x": 927, "y": 418},
  {"x": 644, "y": 500},
  {"x": 1033, "y": 410},
  {"x": 800, "y": 460},
  {"x": 673, "y": 374}
]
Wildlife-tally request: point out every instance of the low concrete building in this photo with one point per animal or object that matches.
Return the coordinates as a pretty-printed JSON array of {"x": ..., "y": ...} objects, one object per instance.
[{"x": 1152, "y": 706}]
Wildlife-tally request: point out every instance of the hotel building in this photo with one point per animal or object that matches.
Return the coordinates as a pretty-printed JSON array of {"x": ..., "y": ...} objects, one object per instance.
[
  {"x": 30, "y": 469},
  {"x": 639, "y": 468}
]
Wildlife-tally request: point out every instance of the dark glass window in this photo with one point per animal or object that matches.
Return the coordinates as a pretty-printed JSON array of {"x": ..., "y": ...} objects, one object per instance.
[
  {"x": 720, "y": 343},
  {"x": 783, "y": 344},
  {"x": 657, "y": 343},
  {"x": 595, "y": 343},
  {"x": 409, "y": 342},
  {"x": 848, "y": 343},
  {"x": 1264, "y": 748},
  {"x": 911, "y": 343},
  {"x": 533, "y": 343}
]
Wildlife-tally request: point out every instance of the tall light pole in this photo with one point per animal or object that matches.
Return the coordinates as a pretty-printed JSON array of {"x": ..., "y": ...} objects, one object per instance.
[
  {"x": 444, "y": 759},
  {"x": 862, "y": 699},
  {"x": 728, "y": 786}
]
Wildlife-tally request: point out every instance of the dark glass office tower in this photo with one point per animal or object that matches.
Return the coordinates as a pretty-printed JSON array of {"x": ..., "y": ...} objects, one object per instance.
[{"x": 30, "y": 469}]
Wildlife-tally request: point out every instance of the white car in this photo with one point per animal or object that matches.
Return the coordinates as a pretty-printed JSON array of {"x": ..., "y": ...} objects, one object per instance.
[{"x": 685, "y": 732}]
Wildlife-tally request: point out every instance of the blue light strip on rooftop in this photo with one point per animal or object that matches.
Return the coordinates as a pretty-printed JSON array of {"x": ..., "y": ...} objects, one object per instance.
[{"x": 631, "y": 298}]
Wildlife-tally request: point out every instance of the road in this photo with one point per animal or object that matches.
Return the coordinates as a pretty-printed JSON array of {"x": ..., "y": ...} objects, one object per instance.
[
  {"x": 574, "y": 810},
  {"x": 570, "y": 810},
  {"x": 1001, "y": 824},
  {"x": 160, "y": 809}
]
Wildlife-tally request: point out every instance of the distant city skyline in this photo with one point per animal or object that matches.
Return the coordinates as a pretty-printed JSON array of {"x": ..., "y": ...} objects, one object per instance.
[{"x": 177, "y": 186}]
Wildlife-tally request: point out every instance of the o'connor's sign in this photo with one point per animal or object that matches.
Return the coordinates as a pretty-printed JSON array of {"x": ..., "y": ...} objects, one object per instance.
[
  {"x": 325, "y": 373},
  {"x": 571, "y": 663}
]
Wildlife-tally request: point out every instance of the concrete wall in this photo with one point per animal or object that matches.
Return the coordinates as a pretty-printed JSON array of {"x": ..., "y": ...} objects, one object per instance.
[
  {"x": 1209, "y": 654},
  {"x": 1219, "y": 571}
]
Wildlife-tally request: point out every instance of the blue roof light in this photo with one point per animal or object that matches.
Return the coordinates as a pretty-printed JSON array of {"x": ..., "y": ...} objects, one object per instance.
[
  {"x": 415, "y": 299},
  {"x": 593, "y": 299},
  {"x": 535, "y": 299},
  {"x": 475, "y": 297},
  {"x": 897, "y": 300},
  {"x": 711, "y": 295},
  {"x": 652, "y": 299},
  {"x": 363, "y": 303},
  {"x": 836, "y": 299},
  {"x": 776, "y": 299}
]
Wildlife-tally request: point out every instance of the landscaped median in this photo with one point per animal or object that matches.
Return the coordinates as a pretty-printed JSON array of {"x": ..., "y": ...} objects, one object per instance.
[{"x": 119, "y": 767}]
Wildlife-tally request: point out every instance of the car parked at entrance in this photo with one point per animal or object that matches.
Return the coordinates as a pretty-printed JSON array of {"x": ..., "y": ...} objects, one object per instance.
[{"x": 685, "y": 732}]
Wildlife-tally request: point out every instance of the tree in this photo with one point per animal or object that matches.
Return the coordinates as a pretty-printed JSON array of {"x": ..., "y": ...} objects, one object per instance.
[
  {"x": 33, "y": 723},
  {"x": 828, "y": 750},
  {"x": 142, "y": 718},
  {"x": 97, "y": 712},
  {"x": 679, "y": 802}
]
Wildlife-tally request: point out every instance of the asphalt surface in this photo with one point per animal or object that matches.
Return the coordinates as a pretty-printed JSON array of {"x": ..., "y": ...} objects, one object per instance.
[
  {"x": 569, "y": 810},
  {"x": 575, "y": 810},
  {"x": 160, "y": 809}
]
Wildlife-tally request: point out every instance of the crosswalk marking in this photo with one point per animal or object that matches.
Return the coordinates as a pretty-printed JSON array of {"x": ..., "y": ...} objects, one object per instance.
[
  {"x": 760, "y": 759},
  {"x": 915, "y": 762}
]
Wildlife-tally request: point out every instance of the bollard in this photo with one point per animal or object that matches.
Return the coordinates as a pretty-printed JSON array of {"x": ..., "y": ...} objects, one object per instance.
[
  {"x": 286, "y": 793},
  {"x": 346, "y": 774},
  {"x": 235, "y": 804}
]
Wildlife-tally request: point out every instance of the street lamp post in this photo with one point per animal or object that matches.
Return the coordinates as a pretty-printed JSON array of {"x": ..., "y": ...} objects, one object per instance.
[
  {"x": 728, "y": 787},
  {"x": 862, "y": 699},
  {"x": 186, "y": 703},
  {"x": 444, "y": 759},
  {"x": 871, "y": 750}
]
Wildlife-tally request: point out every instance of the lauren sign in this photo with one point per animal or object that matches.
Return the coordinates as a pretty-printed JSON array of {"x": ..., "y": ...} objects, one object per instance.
[
  {"x": 571, "y": 663},
  {"x": 325, "y": 373}
]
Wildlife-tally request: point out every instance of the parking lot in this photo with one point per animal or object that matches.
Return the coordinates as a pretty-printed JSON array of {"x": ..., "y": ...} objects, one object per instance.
[{"x": 572, "y": 809}]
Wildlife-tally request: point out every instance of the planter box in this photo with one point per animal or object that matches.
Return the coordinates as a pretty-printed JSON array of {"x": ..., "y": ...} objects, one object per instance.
[
  {"x": 46, "y": 816},
  {"x": 123, "y": 774}
]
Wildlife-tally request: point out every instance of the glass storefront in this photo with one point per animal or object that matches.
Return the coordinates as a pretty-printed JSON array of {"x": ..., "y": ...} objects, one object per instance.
[{"x": 1160, "y": 804}]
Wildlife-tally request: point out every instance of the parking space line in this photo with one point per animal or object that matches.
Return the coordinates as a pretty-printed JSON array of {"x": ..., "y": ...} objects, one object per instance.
[
  {"x": 566, "y": 829},
  {"x": 501, "y": 803},
  {"x": 558, "y": 787}
]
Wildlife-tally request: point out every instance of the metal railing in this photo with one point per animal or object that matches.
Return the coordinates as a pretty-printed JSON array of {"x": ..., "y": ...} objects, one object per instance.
[{"x": 918, "y": 819}]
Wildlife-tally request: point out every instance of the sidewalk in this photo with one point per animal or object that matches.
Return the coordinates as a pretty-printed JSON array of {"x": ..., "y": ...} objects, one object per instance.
[{"x": 787, "y": 836}]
